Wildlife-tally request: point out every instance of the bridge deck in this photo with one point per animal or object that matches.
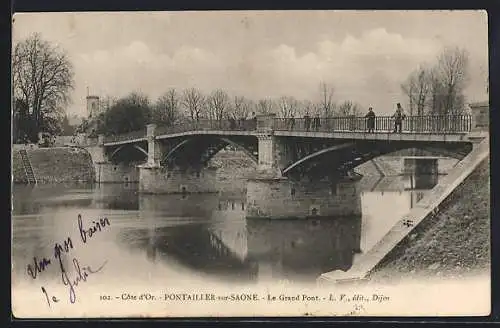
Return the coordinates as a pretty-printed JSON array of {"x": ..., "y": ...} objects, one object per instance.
[
  {"x": 351, "y": 135},
  {"x": 415, "y": 128}
]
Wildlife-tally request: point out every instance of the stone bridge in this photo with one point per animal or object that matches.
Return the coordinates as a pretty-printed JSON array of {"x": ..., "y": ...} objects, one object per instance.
[{"x": 289, "y": 153}]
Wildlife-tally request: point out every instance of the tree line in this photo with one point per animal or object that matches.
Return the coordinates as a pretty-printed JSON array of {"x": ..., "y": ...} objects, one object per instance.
[
  {"x": 438, "y": 88},
  {"x": 43, "y": 79},
  {"x": 174, "y": 106}
]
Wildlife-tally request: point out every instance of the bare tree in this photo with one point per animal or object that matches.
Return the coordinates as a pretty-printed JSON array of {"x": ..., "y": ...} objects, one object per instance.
[
  {"x": 265, "y": 106},
  {"x": 192, "y": 101},
  {"x": 418, "y": 87},
  {"x": 326, "y": 103},
  {"x": 452, "y": 68},
  {"x": 436, "y": 92},
  {"x": 166, "y": 109},
  {"x": 440, "y": 88},
  {"x": 288, "y": 106},
  {"x": 309, "y": 108},
  {"x": 241, "y": 107},
  {"x": 349, "y": 108},
  {"x": 218, "y": 103},
  {"x": 42, "y": 78}
]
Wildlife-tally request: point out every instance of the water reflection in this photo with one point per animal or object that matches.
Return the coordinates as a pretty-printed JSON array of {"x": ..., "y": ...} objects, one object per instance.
[
  {"x": 207, "y": 234},
  {"x": 302, "y": 250}
]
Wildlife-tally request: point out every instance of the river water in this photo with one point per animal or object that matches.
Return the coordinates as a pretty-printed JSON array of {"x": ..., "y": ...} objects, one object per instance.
[{"x": 203, "y": 239}]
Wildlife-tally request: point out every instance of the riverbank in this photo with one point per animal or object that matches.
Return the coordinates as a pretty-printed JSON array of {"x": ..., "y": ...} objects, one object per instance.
[
  {"x": 54, "y": 165},
  {"x": 454, "y": 243}
]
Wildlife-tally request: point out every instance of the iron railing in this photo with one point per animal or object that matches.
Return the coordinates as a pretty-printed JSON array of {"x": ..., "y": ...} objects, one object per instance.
[
  {"x": 126, "y": 136},
  {"x": 207, "y": 125},
  {"x": 411, "y": 124}
]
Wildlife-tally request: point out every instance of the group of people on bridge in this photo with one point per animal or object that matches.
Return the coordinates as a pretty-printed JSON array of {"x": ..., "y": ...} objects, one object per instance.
[
  {"x": 244, "y": 123},
  {"x": 398, "y": 116},
  {"x": 315, "y": 123}
]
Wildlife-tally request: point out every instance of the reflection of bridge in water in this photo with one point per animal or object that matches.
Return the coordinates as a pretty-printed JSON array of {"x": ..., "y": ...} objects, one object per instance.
[
  {"x": 262, "y": 249},
  {"x": 208, "y": 233}
]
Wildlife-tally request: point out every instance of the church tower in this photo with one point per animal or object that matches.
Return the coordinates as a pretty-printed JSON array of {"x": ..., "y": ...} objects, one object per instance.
[{"x": 92, "y": 105}]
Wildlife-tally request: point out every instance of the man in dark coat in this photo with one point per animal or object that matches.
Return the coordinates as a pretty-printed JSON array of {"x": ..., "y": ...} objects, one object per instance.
[
  {"x": 307, "y": 121},
  {"x": 316, "y": 122},
  {"x": 399, "y": 116},
  {"x": 370, "y": 122}
]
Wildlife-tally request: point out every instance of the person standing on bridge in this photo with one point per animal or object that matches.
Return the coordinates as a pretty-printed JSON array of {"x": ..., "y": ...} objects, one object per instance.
[
  {"x": 253, "y": 120},
  {"x": 316, "y": 122},
  {"x": 399, "y": 116},
  {"x": 370, "y": 122},
  {"x": 307, "y": 121},
  {"x": 292, "y": 121}
]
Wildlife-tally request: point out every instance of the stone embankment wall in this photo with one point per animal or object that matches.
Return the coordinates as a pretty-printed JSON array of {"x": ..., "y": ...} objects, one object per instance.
[{"x": 55, "y": 165}]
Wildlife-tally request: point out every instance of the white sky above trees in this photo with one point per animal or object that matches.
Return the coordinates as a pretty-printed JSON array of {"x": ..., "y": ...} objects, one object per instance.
[{"x": 364, "y": 55}]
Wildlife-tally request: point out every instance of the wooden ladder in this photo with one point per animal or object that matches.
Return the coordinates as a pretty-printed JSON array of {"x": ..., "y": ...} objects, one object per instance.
[{"x": 30, "y": 175}]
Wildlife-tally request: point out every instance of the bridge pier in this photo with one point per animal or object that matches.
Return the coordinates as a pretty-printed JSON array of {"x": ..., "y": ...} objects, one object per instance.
[
  {"x": 163, "y": 180},
  {"x": 271, "y": 195},
  {"x": 154, "y": 147},
  {"x": 282, "y": 198},
  {"x": 421, "y": 166},
  {"x": 115, "y": 173},
  {"x": 157, "y": 179},
  {"x": 107, "y": 172}
]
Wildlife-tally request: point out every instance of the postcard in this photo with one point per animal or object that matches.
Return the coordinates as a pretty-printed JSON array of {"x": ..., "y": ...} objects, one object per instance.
[{"x": 250, "y": 164}]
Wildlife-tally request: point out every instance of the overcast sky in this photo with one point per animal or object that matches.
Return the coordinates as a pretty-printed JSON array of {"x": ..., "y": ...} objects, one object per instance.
[{"x": 365, "y": 55}]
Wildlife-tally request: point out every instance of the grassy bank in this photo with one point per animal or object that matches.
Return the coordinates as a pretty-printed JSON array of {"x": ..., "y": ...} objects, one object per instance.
[
  {"x": 455, "y": 242},
  {"x": 55, "y": 165},
  {"x": 18, "y": 172}
]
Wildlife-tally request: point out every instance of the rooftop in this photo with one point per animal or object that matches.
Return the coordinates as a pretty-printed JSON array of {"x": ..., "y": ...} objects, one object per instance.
[{"x": 485, "y": 103}]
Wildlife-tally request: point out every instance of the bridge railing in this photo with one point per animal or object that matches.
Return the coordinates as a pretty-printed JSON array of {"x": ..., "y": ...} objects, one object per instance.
[
  {"x": 411, "y": 124},
  {"x": 126, "y": 136},
  {"x": 415, "y": 124},
  {"x": 208, "y": 125}
]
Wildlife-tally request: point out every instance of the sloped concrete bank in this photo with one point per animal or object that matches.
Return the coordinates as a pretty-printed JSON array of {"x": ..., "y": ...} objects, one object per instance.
[
  {"x": 439, "y": 201},
  {"x": 454, "y": 242},
  {"x": 55, "y": 165}
]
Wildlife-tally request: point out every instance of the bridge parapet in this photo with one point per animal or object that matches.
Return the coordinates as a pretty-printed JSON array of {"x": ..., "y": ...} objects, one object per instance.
[
  {"x": 139, "y": 134},
  {"x": 480, "y": 116},
  {"x": 266, "y": 122},
  {"x": 207, "y": 125},
  {"x": 418, "y": 124}
]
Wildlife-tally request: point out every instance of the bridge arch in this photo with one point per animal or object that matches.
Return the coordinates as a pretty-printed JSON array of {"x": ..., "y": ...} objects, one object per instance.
[
  {"x": 347, "y": 156},
  {"x": 120, "y": 148},
  {"x": 316, "y": 154},
  {"x": 214, "y": 141}
]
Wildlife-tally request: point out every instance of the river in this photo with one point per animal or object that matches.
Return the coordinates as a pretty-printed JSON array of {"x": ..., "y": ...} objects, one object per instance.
[{"x": 198, "y": 239}]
